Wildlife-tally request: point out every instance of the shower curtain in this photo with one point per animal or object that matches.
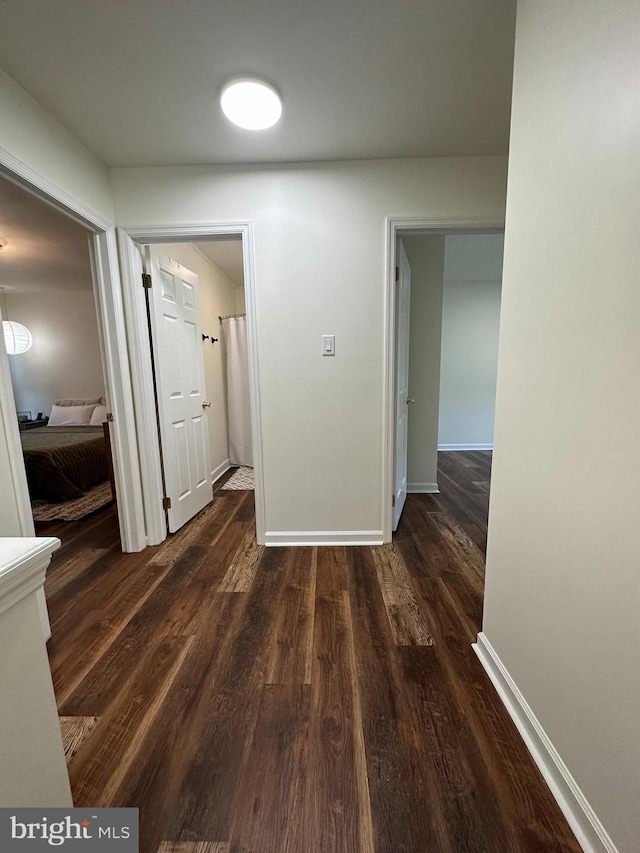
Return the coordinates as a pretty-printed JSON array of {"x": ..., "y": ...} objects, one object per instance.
[{"x": 238, "y": 404}]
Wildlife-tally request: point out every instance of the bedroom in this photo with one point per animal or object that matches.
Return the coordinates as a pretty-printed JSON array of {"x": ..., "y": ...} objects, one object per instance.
[{"x": 46, "y": 287}]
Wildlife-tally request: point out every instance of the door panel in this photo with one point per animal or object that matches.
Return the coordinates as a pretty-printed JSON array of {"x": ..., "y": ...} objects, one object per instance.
[
  {"x": 176, "y": 329},
  {"x": 403, "y": 304}
]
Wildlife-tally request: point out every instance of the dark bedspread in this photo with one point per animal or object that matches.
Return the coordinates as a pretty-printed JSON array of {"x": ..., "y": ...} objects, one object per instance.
[{"x": 62, "y": 462}]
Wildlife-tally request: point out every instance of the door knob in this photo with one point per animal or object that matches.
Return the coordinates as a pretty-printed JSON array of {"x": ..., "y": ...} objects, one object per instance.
[
  {"x": 410, "y": 400},
  {"x": 206, "y": 405}
]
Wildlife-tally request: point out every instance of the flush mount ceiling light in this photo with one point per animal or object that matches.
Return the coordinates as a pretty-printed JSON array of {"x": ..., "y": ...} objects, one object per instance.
[{"x": 251, "y": 104}]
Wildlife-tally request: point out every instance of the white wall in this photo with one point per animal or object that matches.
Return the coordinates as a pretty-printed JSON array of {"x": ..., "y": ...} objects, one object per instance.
[
  {"x": 38, "y": 146},
  {"x": 64, "y": 360},
  {"x": 320, "y": 239},
  {"x": 563, "y": 578},
  {"x": 426, "y": 257},
  {"x": 218, "y": 296},
  {"x": 470, "y": 323}
]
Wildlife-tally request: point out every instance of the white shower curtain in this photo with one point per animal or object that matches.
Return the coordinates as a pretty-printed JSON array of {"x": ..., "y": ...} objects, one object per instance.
[{"x": 238, "y": 401}]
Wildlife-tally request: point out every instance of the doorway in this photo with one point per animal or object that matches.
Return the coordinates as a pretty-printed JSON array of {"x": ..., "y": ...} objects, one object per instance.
[
  {"x": 129, "y": 244},
  {"x": 197, "y": 312},
  {"x": 455, "y": 273},
  {"x": 55, "y": 378}
]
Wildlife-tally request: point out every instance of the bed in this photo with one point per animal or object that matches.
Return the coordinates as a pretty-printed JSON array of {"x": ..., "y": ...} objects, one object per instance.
[
  {"x": 65, "y": 458},
  {"x": 63, "y": 462}
]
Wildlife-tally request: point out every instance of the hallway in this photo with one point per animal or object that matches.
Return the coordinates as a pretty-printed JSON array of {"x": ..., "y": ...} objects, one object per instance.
[{"x": 295, "y": 700}]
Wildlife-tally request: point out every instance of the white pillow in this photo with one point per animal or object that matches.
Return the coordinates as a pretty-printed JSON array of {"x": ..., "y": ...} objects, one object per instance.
[
  {"x": 70, "y": 415},
  {"x": 99, "y": 416}
]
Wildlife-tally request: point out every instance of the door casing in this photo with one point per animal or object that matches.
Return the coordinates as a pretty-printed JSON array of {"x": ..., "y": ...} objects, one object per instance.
[{"x": 115, "y": 360}]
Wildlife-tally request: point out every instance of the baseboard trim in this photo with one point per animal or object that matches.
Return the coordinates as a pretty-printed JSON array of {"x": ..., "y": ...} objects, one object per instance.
[
  {"x": 422, "y": 489},
  {"x": 324, "y": 537},
  {"x": 591, "y": 834},
  {"x": 222, "y": 468},
  {"x": 465, "y": 446}
]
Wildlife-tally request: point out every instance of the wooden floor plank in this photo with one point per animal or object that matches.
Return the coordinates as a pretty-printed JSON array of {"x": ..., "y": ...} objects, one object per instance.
[
  {"x": 240, "y": 574},
  {"x": 270, "y": 811},
  {"x": 405, "y": 617},
  {"x": 337, "y": 801},
  {"x": 75, "y": 730},
  {"x": 101, "y": 763},
  {"x": 291, "y": 648},
  {"x": 294, "y": 700}
]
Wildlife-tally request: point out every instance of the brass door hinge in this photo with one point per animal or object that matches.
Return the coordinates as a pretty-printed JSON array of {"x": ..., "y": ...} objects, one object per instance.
[
  {"x": 110, "y": 417},
  {"x": 146, "y": 280},
  {"x": 397, "y": 273},
  {"x": 166, "y": 503},
  {"x": 393, "y": 500}
]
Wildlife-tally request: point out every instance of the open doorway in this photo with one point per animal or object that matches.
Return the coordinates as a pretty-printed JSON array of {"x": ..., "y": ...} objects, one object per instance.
[
  {"x": 205, "y": 428},
  {"x": 449, "y": 341},
  {"x": 56, "y": 375},
  {"x": 222, "y": 255}
]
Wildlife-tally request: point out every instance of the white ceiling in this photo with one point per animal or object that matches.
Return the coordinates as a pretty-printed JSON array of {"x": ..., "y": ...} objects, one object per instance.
[
  {"x": 138, "y": 80},
  {"x": 227, "y": 256},
  {"x": 44, "y": 248}
]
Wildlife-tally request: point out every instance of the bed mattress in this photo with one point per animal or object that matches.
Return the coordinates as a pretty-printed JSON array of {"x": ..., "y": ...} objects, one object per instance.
[{"x": 63, "y": 462}]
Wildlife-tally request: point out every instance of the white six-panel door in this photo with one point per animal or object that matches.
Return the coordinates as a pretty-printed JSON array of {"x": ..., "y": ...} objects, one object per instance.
[
  {"x": 403, "y": 304},
  {"x": 176, "y": 331}
]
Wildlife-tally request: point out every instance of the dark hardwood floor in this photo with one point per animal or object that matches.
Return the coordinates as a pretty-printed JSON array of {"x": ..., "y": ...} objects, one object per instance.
[{"x": 294, "y": 700}]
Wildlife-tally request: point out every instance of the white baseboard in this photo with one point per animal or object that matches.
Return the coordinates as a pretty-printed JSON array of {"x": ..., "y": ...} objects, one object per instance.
[
  {"x": 221, "y": 469},
  {"x": 422, "y": 489},
  {"x": 324, "y": 537},
  {"x": 591, "y": 834},
  {"x": 465, "y": 446}
]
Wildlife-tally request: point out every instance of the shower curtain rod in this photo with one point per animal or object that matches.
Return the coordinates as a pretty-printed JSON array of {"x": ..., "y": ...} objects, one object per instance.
[{"x": 230, "y": 317}]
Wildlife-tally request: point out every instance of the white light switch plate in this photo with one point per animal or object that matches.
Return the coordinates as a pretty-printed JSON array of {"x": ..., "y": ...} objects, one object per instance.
[{"x": 328, "y": 345}]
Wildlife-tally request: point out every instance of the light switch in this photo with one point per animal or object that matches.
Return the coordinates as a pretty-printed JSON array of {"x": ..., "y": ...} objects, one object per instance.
[{"x": 328, "y": 345}]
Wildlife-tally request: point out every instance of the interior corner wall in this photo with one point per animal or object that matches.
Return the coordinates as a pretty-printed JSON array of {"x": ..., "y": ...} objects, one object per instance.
[
  {"x": 563, "y": 584},
  {"x": 64, "y": 360},
  {"x": 217, "y": 298},
  {"x": 320, "y": 240},
  {"x": 426, "y": 258}
]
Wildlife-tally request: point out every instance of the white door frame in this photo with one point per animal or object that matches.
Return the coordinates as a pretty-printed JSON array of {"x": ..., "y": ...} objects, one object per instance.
[
  {"x": 140, "y": 355},
  {"x": 399, "y": 227},
  {"x": 115, "y": 358}
]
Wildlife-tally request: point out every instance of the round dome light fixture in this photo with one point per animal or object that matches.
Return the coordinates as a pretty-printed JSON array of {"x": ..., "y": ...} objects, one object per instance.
[
  {"x": 17, "y": 338},
  {"x": 251, "y": 104}
]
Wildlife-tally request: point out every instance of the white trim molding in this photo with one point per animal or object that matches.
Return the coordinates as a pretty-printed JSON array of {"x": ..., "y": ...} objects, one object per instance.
[
  {"x": 23, "y": 566},
  {"x": 294, "y": 538},
  {"x": 423, "y": 489},
  {"x": 465, "y": 446},
  {"x": 591, "y": 834},
  {"x": 116, "y": 365},
  {"x": 22, "y": 175},
  {"x": 219, "y": 470},
  {"x": 395, "y": 226}
]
